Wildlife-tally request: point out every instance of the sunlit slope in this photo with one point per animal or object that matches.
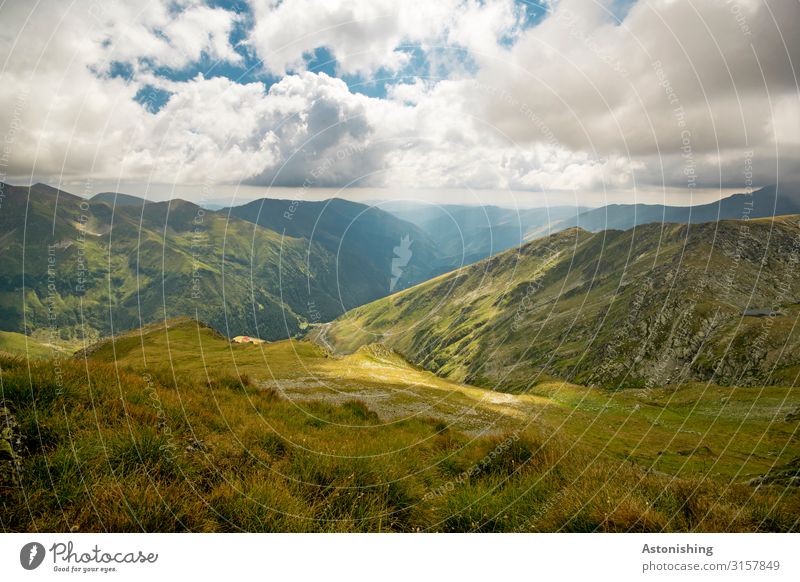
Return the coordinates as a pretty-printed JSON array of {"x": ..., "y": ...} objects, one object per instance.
[
  {"x": 19, "y": 344},
  {"x": 640, "y": 308},
  {"x": 731, "y": 433},
  {"x": 176, "y": 429}
]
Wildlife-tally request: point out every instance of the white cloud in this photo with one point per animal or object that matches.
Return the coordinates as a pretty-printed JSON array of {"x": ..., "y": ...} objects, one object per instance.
[
  {"x": 73, "y": 118},
  {"x": 164, "y": 34},
  {"x": 714, "y": 68},
  {"x": 574, "y": 103},
  {"x": 367, "y": 35}
]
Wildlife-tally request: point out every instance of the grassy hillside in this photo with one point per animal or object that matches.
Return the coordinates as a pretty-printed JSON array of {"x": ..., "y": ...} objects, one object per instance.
[
  {"x": 84, "y": 268},
  {"x": 175, "y": 429},
  {"x": 654, "y": 305},
  {"x": 19, "y": 344}
]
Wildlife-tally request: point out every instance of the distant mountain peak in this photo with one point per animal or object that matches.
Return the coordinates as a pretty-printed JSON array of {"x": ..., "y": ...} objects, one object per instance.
[{"x": 119, "y": 199}]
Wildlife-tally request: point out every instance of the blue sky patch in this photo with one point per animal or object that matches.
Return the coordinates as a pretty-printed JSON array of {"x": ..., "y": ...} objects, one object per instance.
[
  {"x": 424, "y": 62},
  {"x": 152, "y": 98},
  {"x": 620, "y": 9},
  {"x": 120, "y": 70}
]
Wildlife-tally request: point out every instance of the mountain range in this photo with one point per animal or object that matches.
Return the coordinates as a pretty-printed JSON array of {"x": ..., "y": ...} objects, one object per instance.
[
  {"x": 468, "y": 233},
  {"x": 89, "y": 267},
  {"x": 85, "y": 268},
  {"x": 656, "y": 364},
  {"x": 762, "y": 203}
]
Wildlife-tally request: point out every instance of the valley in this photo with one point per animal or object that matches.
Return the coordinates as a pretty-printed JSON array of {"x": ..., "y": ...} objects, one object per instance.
[{"x": 403, "y": 267}]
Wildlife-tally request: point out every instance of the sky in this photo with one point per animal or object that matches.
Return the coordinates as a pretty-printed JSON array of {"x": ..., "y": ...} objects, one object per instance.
[{"x": 511, "y": 102}]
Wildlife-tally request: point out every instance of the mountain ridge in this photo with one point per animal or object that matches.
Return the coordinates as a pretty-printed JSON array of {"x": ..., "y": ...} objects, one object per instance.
[
  {"x": 119, "y": 261},
  {"x": 648, "y": 306},
  {"x": 99, "y": 269},
  {"x": 761, "y": 203}
]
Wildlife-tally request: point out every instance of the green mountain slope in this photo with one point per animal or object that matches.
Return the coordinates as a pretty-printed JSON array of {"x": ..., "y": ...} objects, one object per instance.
[
  {"x": 85, "y": 268},
  {"x": 119, "y": 199},
  {"x": 33, "y": 348},
  {"x": 371, "y": 258},
  {"x": 646, "y": 307}
]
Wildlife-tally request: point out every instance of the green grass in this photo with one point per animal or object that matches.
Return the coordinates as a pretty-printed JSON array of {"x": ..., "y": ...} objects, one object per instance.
[
  {"x": 40, "y": 346},
  {"x": 656, "y": 305},
  {"x": 181, "y": 430}
]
